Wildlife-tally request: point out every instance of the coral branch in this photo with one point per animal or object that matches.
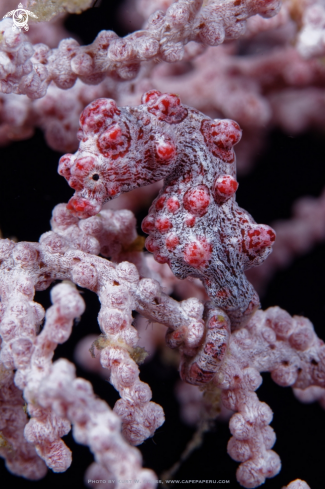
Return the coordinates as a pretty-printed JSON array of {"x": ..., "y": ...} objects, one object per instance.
[
  {"x": 45, "y": 429},
  {"x": 273, "y": 342},
  {"x": 20, "y": 456},
  {"x": 94, "y": 424},
  {"x": 28, "y": 70},
  {"x": 29, "y": 265}
]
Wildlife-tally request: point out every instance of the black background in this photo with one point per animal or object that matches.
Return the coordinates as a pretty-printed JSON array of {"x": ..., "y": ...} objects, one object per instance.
[{"x": 288, "y": 168}]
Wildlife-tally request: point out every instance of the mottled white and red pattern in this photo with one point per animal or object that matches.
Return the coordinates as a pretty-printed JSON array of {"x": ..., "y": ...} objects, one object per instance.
[{"x": 195, "y": 224}]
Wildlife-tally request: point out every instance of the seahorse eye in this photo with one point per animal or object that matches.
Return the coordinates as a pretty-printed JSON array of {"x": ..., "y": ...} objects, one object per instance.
[{"x": 95, "y": 177}]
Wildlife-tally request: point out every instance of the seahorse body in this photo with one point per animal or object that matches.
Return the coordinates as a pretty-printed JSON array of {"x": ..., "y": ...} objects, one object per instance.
[{"x": 195, "y": 224}]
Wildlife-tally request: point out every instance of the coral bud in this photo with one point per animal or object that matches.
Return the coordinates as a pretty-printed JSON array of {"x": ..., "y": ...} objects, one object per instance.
[
  {"x": 62, "y": 218},
  {"x": 127, "y": 271},
  {"x": 178, "y": 14},
  {"x": 25, "y": 254},
  {"x": 194, "y": 334},
  {"x": 302, "y": 339},
  {"x": 239, "y": 450},
  {"x": 212, "y": 33},
  {"x": 53, "y": 242},
  {"x": 85, "y": 275},
  {"x": 280, "y": 321},
  {"x": 285, "y": 375},
  {"x": 240, "y": 428},
  {"x": 126, "y": 374},
  {"x": 111, "y": 321}
]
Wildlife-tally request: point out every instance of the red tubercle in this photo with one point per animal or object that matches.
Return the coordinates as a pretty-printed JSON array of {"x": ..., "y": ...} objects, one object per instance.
[
  {"x": 225, "y": 187},
  {"x": 173, "y": 204},
  {"x": 197, "y": 253},
  {"x": 151, "y": 244},
  {"x": 77, "y": 205},
  {"x": 160, "y": 203},
  {"x": 163, "y": 224},
  {"x": 165, "y": 150},
  {"x": 148, "y": 224},
  {"x": 115, "y": 141},
  {"x": 150, "y": 97},
  {"x": 160, "y": 258},
  {"x": 82, "y": 207},
  {"x": 75, "y": 183},
  {"x": 220, "y": 136},
  {"x": 172, "y": 240},
  {"x": 260, "y": 237},
  {"x": 167, "y": 108},
  {"x": 180, "y": 333},
  {"x": 113, "y": 133},
  {"x": 83, "y": 166},
  {"x": 97, "y": 114},
  {"x": 65, "y": 164},
  {"x": 197, "y": 200}
]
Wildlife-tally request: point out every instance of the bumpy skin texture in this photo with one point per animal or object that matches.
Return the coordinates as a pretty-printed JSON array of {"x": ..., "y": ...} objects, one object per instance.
[{"x": 195, "y": 224}]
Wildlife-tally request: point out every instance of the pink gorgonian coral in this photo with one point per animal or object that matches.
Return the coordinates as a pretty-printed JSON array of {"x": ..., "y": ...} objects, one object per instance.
[{"x": 201, "y": 242}]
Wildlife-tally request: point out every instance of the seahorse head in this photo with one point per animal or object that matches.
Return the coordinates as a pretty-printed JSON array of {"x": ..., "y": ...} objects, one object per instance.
[{"x": 121, "y": 149}]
